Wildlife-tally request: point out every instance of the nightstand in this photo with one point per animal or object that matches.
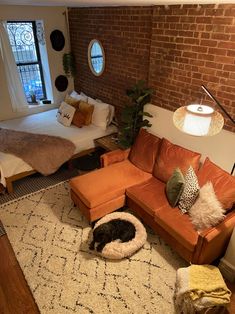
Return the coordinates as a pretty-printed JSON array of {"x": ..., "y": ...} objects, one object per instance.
[{"x": 107, "y": 142}]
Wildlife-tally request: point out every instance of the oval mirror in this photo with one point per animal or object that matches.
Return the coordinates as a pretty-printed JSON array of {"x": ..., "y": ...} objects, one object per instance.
[{"x": 96, "y": 57}]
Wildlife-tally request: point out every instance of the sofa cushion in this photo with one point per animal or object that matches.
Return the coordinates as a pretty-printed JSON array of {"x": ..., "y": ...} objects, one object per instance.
[
  {"x": 174, "y": 187},
  {"x": 150, "y": 195},
  {"x": 223, "y": 182},
  {"x": 177, "y": 225},
  {"x": 172, "y": 156},
  {"x": 102, "y": 185},
  {"x": 144, "y": 150}
]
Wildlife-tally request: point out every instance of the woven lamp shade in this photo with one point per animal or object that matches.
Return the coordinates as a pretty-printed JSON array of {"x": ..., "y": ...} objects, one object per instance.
[{"x": 198, "y": 120}]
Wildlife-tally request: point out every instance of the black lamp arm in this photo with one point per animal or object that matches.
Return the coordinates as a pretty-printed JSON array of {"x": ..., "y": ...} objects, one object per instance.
[{"x": 217, "y": 102}]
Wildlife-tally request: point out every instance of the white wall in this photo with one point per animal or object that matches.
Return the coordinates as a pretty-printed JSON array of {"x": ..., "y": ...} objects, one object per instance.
[
  {"x": 52, "y": 18},
  {"x": 219, "y": 148}
]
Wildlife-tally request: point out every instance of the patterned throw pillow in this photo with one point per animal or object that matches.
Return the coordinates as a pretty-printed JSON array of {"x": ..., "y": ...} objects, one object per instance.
[
  {"x": 190, "y": 192},
  {"x": 174, "y": 187},
  {"x": 65, "y": 114}
]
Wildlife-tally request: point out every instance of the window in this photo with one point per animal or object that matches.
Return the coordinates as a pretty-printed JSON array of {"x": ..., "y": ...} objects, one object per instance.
[
  {"x": 96, "y": 57},
  {"x": 24, "y": 43}
]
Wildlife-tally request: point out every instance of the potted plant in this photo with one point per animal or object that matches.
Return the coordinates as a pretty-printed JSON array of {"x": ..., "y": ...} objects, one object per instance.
[
  {"x": 132, "y": 115},
  {"x": 69, "y": 64},
  {"x": 33, "y": 97}
]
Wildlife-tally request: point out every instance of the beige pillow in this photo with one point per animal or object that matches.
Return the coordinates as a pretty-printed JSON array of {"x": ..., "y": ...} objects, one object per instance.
[
  {"x": 72, "y": 101},
  {"x": 207, "y": 211}
]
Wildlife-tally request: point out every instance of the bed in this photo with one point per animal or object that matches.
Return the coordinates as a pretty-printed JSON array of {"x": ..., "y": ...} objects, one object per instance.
[{"x": 13, "y": 168}]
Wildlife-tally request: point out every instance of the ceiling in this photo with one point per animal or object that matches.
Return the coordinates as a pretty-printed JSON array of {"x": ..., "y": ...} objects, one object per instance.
[{"x": 96, "y": 3}]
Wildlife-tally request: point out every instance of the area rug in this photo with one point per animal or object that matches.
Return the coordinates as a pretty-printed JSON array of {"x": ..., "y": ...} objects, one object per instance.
[{"x": 51, "y": 240}]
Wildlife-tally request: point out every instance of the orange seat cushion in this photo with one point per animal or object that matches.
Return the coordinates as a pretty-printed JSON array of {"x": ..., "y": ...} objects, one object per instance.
[
  {"x": 143, "y": 152},
  {"x": 102, "y": 185},
  {"x": 172, "y": 156},
  {"x": 150, "y": 195},
  {"x": 223, "y": 182},
  {"x": 178, "y": 225}
]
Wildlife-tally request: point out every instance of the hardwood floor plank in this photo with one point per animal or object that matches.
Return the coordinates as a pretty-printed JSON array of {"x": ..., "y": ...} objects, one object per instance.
[{"x": 15, "y": 295}]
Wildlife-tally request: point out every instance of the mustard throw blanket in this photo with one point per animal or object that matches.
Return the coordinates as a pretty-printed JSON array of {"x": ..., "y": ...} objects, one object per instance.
[
  {"x": 200, "y": 287},
  {"x": 43, "y": 153}
]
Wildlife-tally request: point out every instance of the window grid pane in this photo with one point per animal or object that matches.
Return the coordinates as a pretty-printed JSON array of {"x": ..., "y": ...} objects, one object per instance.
[{"x": 23, "y": 43}]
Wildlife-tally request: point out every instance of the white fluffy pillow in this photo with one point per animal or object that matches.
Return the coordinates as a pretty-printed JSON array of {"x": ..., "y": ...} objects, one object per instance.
[
  {"x": 207, "y": 211},
  {"x": 77, "y": 96},
  {"x": 101, "y": 113},
  {"x": 65, "y": 114}
]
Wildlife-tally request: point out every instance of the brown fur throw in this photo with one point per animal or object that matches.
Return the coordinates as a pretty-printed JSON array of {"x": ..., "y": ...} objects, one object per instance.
[{"x": 43, "y": 153}]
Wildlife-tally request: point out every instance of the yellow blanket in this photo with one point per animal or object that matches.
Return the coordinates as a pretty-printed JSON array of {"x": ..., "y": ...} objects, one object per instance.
[{"x": 200, "y": 287}]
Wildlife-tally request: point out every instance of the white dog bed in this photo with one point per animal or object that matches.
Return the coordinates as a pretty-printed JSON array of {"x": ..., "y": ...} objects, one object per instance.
[{"x": 119, "y": 250}]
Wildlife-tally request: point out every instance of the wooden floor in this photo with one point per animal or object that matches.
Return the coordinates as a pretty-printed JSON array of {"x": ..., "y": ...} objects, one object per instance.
[{"x": 15, "y": 296}]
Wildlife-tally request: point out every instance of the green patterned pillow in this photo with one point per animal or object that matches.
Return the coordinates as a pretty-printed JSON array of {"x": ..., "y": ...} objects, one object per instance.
[
  {"x": 190, "y": 192},
  {"x": 174, "y": 187}
]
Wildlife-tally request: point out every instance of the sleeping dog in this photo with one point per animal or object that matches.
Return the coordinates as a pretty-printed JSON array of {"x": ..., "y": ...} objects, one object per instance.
[{"x": 110, "y": 231}]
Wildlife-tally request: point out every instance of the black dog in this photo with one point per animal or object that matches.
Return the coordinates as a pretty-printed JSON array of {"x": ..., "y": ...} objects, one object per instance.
[{"x": 110, "y": 231}]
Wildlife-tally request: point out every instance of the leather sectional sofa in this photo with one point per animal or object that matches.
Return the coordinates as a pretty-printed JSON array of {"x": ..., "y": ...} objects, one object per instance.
[{"x": 137, "y": 178}]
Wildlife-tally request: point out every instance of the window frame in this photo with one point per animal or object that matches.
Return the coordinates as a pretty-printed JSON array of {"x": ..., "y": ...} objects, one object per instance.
[{"x": 39, "y": 60}]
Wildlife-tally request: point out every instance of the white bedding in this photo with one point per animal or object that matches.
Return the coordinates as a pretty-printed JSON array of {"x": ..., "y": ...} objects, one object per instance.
[{"x": 46, "y": 123}]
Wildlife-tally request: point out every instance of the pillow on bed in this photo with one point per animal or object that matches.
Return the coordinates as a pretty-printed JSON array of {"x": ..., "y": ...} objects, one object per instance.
[
  {"x": 72, "y": 101},
  {"x": 79, "y": 97},
  {"x": 87, "y": 110},
  {"x": 101, "y": 114},
  {"x": 65, "y": 114},
  {"x": 78, "y": 119},
  {"x": 111, "y": 111}
]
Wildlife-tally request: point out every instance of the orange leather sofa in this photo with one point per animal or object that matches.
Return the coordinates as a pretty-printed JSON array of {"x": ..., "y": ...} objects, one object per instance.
[{"x": 137, "y": 178}]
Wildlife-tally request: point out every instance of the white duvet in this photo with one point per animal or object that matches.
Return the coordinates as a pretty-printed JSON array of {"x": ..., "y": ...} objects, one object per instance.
[{"x": 46, "y": 123}]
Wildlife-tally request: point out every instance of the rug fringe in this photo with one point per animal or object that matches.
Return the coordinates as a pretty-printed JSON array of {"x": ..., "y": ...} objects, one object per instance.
[{"x": 33, "y": 193}]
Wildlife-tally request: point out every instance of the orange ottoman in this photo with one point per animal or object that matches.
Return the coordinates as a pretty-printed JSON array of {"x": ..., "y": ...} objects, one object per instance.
[{"x": 102, "y": 191}]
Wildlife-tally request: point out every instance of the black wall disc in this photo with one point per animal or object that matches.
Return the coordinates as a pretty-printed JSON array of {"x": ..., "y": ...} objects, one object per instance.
[
  {"x": 61, "y": 83},
  {"x": 57, "y": 40}
]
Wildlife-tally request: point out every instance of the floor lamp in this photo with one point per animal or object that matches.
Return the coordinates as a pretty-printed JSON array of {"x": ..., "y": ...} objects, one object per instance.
[{"x": 201, "y": 120}]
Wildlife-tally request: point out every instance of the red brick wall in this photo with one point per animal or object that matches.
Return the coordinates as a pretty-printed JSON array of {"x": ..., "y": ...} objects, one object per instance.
[
  {"x": 125, "y": 34},
  {"x": 175, "y": 50},
  {"x": 193, "y": 46}
]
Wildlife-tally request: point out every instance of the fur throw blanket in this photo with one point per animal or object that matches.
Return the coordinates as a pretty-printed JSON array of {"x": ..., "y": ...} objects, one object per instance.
[{"x": 43, "y": 153}]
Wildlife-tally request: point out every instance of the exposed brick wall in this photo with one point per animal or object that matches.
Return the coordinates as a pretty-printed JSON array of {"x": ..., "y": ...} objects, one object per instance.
[
  {"x": 175, "y": 50},
  {"x": 193, "y": 46},
  {"x": 125, "y": 34}
]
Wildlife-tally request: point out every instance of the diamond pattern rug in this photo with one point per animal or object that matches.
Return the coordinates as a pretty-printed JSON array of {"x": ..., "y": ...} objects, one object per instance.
[{"x": 51, "y": 240}]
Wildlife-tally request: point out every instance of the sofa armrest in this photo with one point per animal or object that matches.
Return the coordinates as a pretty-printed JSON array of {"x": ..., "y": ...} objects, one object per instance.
[
  {"x": 212, "y": 242},
  {"x": 113, "y": 157}
]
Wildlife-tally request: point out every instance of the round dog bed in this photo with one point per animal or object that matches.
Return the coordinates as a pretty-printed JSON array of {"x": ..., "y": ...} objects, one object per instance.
[{"x": 119, "y": 250}]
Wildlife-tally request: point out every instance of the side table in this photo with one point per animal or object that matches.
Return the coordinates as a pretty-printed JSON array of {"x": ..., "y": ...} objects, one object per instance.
[{"x": 107, "y": 142}]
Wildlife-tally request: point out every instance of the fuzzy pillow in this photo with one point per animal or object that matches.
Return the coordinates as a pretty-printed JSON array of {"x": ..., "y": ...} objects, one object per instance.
[
  {"x": 207, "y": 210},
  {"x": 190, "y": 191}
]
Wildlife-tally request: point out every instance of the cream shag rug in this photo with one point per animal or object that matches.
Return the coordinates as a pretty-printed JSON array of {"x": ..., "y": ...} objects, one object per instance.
[{"x": 50, "y": 238}]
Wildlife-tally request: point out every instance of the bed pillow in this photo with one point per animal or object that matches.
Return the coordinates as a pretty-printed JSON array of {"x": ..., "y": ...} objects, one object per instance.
[
  {"x": 78, "y": 119},
  {"x": 111, "y": 112},
  {"x": 223, "y": 182},
  {"x": 190, "y": 191},
  {"x": 101, "y": 114},
  {"x": 207, "y": 210},
  {"x": 79, "y": 97},
  {"x": 65, "y": 114},
  {"x": 175, "y": 187},
  {"x": 72, "y": 101},
  {"x": 87, "y": 110}
]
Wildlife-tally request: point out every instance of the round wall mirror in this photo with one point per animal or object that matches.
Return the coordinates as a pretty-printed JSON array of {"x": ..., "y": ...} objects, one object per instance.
[{"x": 96, "y": 57}]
